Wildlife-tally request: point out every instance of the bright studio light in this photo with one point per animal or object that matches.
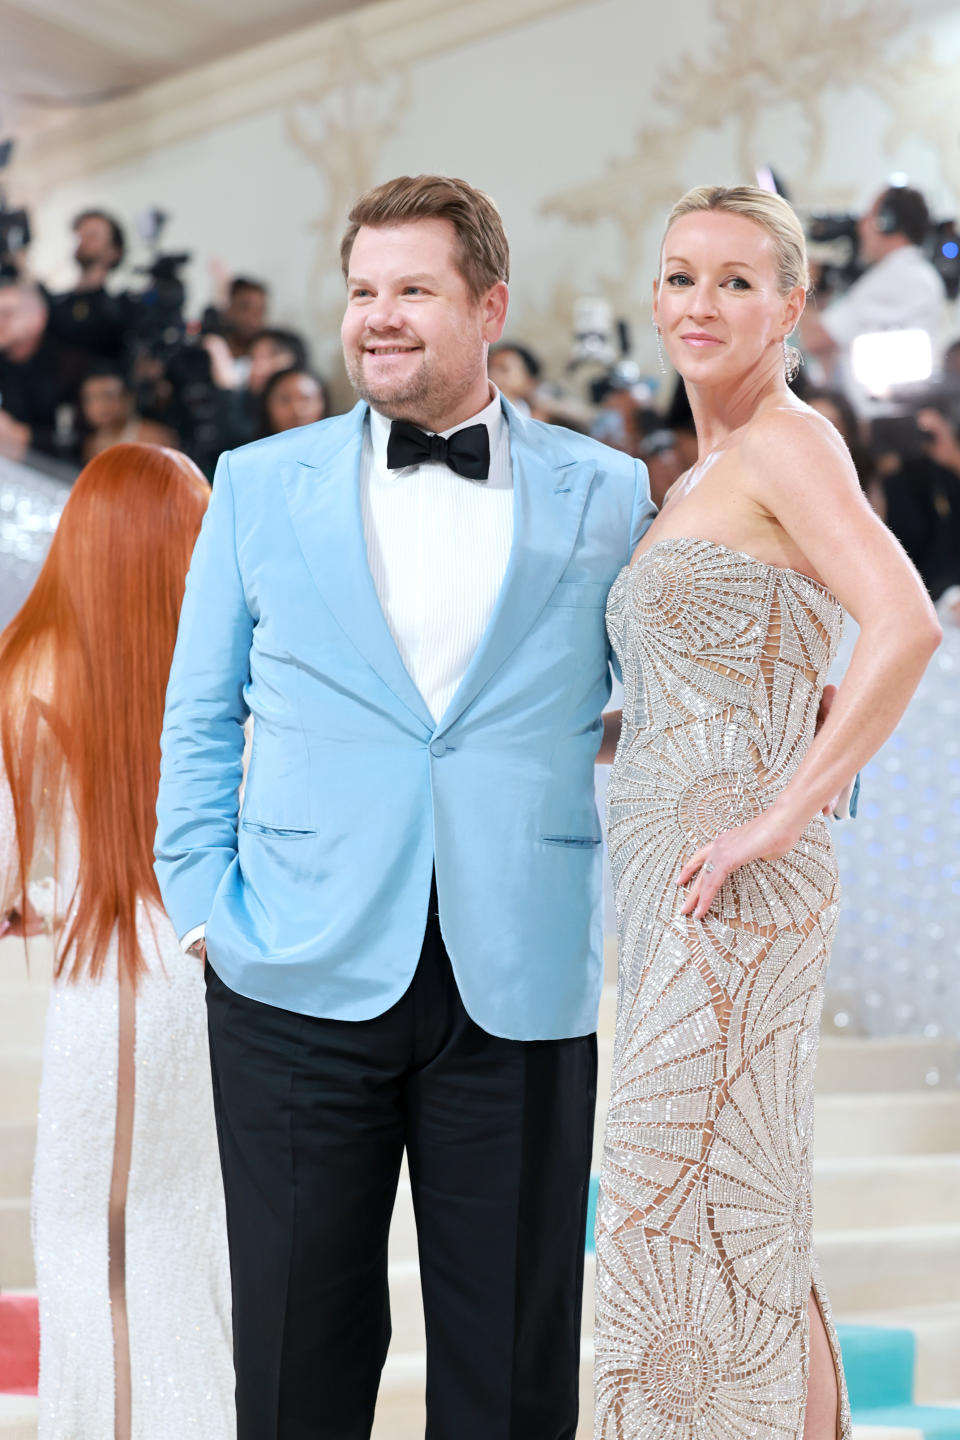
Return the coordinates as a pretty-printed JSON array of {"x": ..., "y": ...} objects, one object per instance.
[{"x": 891, "y": 357}]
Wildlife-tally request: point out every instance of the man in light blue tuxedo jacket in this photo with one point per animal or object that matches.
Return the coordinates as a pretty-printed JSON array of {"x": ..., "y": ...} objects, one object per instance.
[{"x": 403, "y": 929}]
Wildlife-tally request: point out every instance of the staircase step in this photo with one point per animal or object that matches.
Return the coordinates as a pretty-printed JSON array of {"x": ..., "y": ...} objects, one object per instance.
[
  {"x": 23, "y": 1015},
  {"x": 878, "y": 1364},
  {"x": 17, "y": 1143},
  {"x": 930, "y": 1422},
  {"x": 864, "y": 1269},
  {"x": 19, "y": 1085},
  {"x": 18, "y": 1417},
  {"x": 871, "y": 1431},
  {"x": 16, "y": 1250},
  {"x": 936, "y": 1330},
  {"x": 920, "y": 1123},
  {"x": 33, "y": 966},
  {"x": 884, "y": 1190},
  {"x": 903, "y": 1062}
]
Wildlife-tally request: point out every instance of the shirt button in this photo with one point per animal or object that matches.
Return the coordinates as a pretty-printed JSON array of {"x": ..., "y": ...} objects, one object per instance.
[{"x": 438, "y": 747}]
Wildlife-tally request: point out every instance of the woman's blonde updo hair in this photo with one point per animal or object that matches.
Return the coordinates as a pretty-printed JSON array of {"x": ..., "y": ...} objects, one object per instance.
[{"x": 764, "y": 208}]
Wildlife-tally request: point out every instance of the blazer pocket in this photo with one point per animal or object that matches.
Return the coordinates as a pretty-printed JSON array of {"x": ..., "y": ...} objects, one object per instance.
[
  {"x": 589, "y": 593},
  {"x": 256, "y": 827},
  {"x": 573, "y": 842}
]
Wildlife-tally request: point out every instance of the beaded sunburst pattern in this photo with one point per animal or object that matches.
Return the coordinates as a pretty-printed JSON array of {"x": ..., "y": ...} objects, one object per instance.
[{"x": 704, "y": 1225}]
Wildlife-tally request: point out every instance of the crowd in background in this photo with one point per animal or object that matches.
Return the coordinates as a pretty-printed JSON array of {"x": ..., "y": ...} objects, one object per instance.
[{"x": 94, "y": 366}]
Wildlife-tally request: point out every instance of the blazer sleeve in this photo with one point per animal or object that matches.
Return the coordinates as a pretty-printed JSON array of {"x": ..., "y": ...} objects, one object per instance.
[
  {"x": 644, "y": 510},
  {"x": 643, "y": 515},
  {"x": 202, "y": 742}
]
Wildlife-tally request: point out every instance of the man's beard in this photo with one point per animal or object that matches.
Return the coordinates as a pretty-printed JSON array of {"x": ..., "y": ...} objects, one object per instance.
[{"x": 399, "y": 401}]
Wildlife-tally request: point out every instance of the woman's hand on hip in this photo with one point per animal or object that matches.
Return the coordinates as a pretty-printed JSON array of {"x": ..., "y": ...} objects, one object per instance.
[{"x": 767, "y": 837}]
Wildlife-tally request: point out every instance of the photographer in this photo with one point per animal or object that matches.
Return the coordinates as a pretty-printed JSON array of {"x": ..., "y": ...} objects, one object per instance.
[
  {"x": 923, "y": 503},
  {"x": 88, "y": 316},
  {"x": 244, "y": 317},
  {"x": 900, "y": 290},
  {"x": 38, "y": 371}
]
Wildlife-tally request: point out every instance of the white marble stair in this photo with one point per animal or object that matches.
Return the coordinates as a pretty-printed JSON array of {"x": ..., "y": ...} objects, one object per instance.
[
  {"x": 905, "y": 1264},
  {"x": 907, "y": 1123},
  {"x": 18, "y": 1417},
  {"x": 875, "y": 1191}
]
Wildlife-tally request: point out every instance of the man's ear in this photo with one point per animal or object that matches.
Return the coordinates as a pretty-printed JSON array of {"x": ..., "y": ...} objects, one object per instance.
[{"x": 495, "y": 311}]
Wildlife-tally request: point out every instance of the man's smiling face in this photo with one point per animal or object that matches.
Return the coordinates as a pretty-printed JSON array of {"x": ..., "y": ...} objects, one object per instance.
[{"x": 414, "y": 336}]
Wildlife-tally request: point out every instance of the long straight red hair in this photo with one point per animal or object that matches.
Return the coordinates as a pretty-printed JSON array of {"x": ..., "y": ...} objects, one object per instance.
[{"x": 83, "y": 675}]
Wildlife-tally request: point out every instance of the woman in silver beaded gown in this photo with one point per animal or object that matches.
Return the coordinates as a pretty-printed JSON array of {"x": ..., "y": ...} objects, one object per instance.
[{"x": 711, "y": 1319}]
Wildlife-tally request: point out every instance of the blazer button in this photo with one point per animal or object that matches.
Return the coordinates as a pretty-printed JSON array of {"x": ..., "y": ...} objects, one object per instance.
[{"x": 438, "y": 747}]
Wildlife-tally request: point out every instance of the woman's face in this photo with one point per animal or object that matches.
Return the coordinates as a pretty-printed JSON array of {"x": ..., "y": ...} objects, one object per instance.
[
  {"x": 717, "y": 301},
  {"x": 106, "y": 402},
  {"x": 295, "y": 400}
]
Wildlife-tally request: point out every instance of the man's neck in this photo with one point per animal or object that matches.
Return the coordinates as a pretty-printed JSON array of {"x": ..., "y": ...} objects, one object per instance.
[
  {"x": 92, "y": 277},
  {"x": 437, "y": 423},
  {"x": 895, "y": 243}
]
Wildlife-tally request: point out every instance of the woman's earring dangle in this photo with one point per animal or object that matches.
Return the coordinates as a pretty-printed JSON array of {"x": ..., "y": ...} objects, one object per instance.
[
  {"x": 663, "y": 363},
  {"x": 792, "y": 360}
]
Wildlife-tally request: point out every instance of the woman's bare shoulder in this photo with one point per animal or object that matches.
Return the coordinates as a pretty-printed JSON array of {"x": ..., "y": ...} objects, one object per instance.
[{"x": 784, "y": 443}]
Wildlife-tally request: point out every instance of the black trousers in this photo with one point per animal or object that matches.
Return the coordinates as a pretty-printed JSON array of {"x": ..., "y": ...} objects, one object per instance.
[{"x": 313, "y": 1118}]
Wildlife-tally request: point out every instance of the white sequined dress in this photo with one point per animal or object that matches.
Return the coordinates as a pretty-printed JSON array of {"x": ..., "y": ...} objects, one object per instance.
[
  {"x": 704, "y": 1224},
  {"x": 176, "y": 1272}
]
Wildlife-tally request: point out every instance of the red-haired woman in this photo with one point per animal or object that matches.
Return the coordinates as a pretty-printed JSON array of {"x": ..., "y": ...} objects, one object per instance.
[{"x": 128, "y": 1221}]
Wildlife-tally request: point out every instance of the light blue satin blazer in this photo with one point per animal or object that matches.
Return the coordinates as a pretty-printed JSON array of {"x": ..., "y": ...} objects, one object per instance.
[{"x": 317, "y": 900}]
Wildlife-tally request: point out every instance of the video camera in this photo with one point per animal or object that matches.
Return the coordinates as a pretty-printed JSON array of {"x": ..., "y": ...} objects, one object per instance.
[
  {"x": 177, "y": 388},
  {"x": 602, "y": 343},
  {"x": 842, "y": 266},
  {"x": 14, "y": 224},
  {"x": 159, "y": 325}
]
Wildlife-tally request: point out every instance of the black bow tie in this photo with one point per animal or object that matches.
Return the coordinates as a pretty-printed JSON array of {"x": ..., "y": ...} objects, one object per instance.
[{"x": 467, "y": 451}]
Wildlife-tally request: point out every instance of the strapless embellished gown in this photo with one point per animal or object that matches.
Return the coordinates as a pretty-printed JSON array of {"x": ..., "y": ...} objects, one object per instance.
[{"x": 704, "y": 1252}]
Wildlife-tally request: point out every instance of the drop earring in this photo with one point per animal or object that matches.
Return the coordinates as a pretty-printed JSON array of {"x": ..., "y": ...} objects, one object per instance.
[
  {"x": 663, "y": 363},
  {"x": 792, "y": 360}
]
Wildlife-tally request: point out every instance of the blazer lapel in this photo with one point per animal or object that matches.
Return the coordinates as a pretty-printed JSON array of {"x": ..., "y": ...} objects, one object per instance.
[
  {"x": 549, "y": 492},
  {"x": 323, "y": 495}
]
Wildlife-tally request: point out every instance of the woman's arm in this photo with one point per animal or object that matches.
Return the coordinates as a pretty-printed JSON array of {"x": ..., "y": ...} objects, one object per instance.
[
  {"x": 799, "y": 470},
  {"x": 612, "y": 721}
]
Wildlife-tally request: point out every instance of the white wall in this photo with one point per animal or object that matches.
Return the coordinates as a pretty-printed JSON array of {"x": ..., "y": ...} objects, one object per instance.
[{"x": 584, "y": 119}]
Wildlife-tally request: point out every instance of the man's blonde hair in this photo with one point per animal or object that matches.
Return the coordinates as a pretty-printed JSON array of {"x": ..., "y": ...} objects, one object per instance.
[
  {"x": 483, "y": 256},
  {"x": 771, "y": 211}
]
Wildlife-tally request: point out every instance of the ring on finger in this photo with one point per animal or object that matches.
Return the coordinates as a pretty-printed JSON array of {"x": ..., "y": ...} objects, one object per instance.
[{"x": 708, "y": 867}]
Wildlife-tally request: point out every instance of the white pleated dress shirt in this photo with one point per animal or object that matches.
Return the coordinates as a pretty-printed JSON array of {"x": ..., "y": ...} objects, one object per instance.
[{"x": 437, "y": 547}]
